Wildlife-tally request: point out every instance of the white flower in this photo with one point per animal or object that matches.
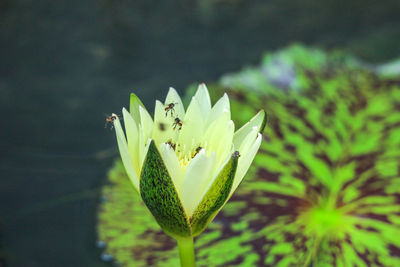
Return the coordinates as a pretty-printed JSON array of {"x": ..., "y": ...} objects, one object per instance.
[{"x": 186, "y": 165}]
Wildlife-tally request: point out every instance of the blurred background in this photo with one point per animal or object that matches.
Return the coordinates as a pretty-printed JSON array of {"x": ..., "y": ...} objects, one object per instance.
[{"x": 66, "y": 65}]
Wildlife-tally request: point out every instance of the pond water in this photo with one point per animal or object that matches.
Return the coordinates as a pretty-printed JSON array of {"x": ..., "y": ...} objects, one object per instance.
[{"x": 65, "y": 65}]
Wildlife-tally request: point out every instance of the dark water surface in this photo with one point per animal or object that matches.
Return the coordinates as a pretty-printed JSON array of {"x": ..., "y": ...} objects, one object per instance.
[{"x": 66, "y": 64}]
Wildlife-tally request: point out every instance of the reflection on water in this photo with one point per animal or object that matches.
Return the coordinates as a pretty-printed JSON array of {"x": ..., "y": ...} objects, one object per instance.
[{"x": 65, "y": 65}]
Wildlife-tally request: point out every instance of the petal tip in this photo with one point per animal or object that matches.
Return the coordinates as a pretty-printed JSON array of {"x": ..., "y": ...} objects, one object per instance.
[
  {"x": 124, "y": 110},
  {"x": 264, "y": 122}
]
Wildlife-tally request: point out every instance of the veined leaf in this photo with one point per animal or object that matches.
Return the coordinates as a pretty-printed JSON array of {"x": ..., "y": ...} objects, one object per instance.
[{"x": 324, "y": 189}]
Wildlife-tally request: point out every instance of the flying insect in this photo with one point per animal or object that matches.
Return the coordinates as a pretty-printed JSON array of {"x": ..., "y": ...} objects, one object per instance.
[
  {"x": 177, "y": 122},
  {"x": 110, "y": 121},
  {"x": 170, "y": 108}
]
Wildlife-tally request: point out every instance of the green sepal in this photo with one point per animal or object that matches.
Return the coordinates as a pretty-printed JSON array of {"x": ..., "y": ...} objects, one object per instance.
[
  {"x": 160, "y": 196},
  {"x": 215, "y": 197},
  {"x": 134, "y": 107}
]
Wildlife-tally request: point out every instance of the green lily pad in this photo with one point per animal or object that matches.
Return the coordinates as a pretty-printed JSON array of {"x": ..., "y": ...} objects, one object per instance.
[{"x": 324, "y": 190}]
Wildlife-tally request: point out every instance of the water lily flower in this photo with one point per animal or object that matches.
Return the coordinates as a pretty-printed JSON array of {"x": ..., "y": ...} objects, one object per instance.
[{"x": 186, "y": 165}]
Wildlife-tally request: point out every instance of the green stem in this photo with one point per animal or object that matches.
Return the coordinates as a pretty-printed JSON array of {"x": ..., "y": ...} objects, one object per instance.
[{"x": 186, "y": 252}]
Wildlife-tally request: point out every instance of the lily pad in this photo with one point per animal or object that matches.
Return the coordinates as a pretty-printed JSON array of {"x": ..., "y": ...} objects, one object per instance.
[{"x": 324, "y": 189}]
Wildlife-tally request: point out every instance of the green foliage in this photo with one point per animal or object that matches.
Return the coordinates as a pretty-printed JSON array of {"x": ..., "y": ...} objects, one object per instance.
[{"x": 323, "y": 190}]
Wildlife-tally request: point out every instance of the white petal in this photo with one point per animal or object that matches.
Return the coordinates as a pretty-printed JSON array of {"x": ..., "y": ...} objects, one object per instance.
[
  {"x": 221, "y": 106},
  {"x": 192, "y": 128},
  {"x": 226, "y": 144},
  {"x": 178, "y": 109},
  {"x": 124, "y": 151},
  {"x": 214, "y": 174},
  {"x": 196, "y": 179},
  {"x": 244, "y": 162},
  {"x": 203, "y": 99},
  {"x": 146, "y": 121},
  {"x": 241, "y": 134},
  {"x": 162, "y": 128},
  {"x": 248, "y": 141},
  {"x": 144, "y": 143},
  {"x": 132, "y": 135},
  {"x": 173, "y": 166},
  {"x": 219, "y": 135}
]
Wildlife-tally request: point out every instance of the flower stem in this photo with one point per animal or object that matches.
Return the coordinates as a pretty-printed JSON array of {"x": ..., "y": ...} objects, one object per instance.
[{"x": 186, "y": 252}]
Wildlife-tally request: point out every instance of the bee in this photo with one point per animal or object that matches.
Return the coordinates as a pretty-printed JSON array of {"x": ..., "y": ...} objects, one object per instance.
[
  {"x": 161, "y": 126},
  {"x": 172, "y": 145},
  {"x": 110, "y": 121},
  {"x": 236, "y": 154},
  {"x": 177, "y": 122},
  {"x": 170, "y": 107},
  {"x": 197, "y": 151}
]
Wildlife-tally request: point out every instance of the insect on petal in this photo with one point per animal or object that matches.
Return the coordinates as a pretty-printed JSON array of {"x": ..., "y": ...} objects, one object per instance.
[
  {"x": 178, "y": 109},
  {"x": 162, "y": 128}
]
